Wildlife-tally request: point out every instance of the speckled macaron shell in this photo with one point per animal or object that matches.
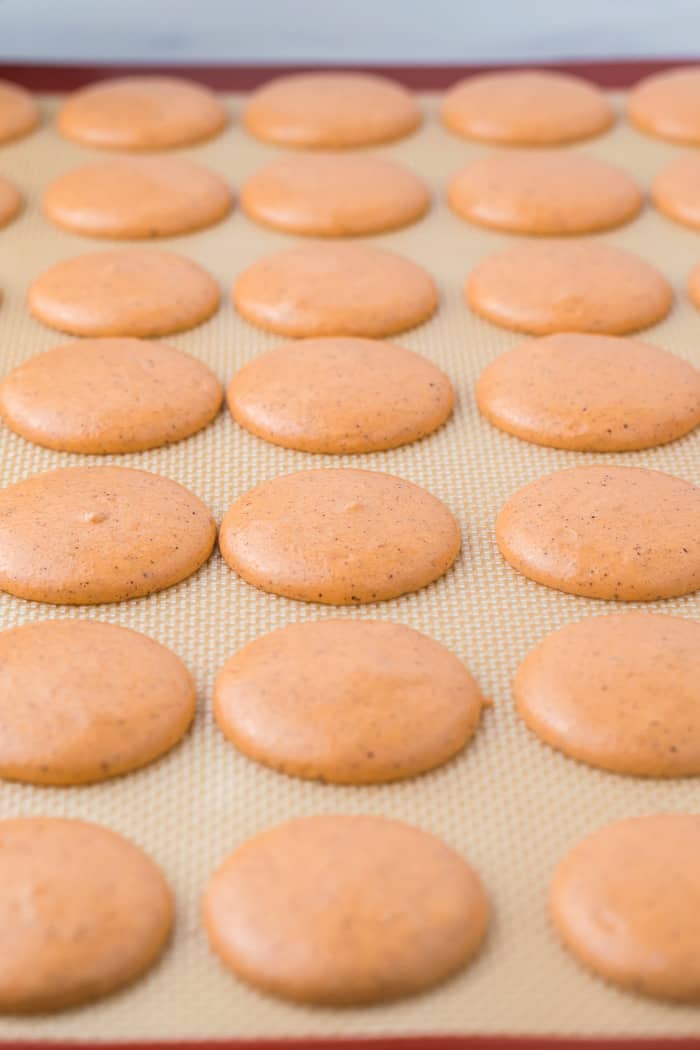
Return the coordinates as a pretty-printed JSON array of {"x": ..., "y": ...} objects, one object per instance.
[
  {"x": 568, "y": 286},
  {"x": 626, "y": 902},
  {"x": 335, "y": 289},
  {"x": 340, "y": 396},
  {"x": 10, "y": 202},
  {"x": 104, "y": 396},
  {"x": 82, "y": 701},
  {"x": 526, "y": 108},
  {"x": 137, "y": 198},
  {"x": 141, "y": 113},
  {"x": 83, "y": 912},
  {"x": 667, "y": 105},
  {"x": 345, "y": 910},
  {"x": 544, "y": 192},
  {"x": 339, "y": 536},
  {"x": 138, "y": 292},
  {"x": 591, "y": 393},
  {"x": 19, "y": 113},
  {"x": 347, "y": 701},
  {"x": 331, "y": 110},
  {"x": 619, "y": 692},
  {"x": 618, "y": 533},
  {"x": 676, "y": 190},
  {"x": 335, "y": 195},
  {"x": 84, "y": 535}
]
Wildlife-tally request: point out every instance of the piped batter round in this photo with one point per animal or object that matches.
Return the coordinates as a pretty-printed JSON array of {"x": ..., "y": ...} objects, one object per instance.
[
  {"x": 676, "y": 190},
  {"x": 84, "y": 535},
  {"x": 620, "y": 533},
  {"x": 82, "y": 701},
  {"x": 619, "y": 692},
  {"x": 568, "y": 286},
  {"x": 533, "y": 107},
  {"x": 544, "y": 192},
  {"x": 344, "y": 910},
  {"x": 347, "y": 701},
  {"x": 83, "y": 912},
  {"x": 339, "y": 536},
  {"x": 10, "y": 202},
  {"x": 340, "y": 395},
  {"x": 335, "y": 289},
  {"x": 668, "y": 105},
  {"x": 137, "y": 198},
  {"x": 137, "y": 292},
  {"x": 19, "y": 113},
  {"x": 331, "y": 110},
  {"x": 591, "y": 393},
  {"x": 626, "y": 903},
  {"x": 335, "y": 195},
  {"x": 109, "y": 396},
  {"x": 141, "y": 113}
]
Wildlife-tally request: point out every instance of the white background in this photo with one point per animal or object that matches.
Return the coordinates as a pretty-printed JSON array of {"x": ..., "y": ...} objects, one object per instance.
[{"x": 345, "y": 30}]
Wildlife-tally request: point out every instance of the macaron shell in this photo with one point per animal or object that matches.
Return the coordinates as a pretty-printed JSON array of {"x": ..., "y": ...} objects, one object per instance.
[
  {"x": 568, "y": 286},
  {"x": 676, "y": 190},
  {"x": 335, "y": 289},
  {"x": 668, "y": 105},
  {"x": 591, "y": 393},
  {"x": 141, "y": 113},
  {"x": 626, "y": 903},
  {"x": 134, "y": 292},
  {"x": 19, "y": 113},
  {"x": 618, "y": 533},
  {"x": 82, "y": 701},
  {"x": 545, "y": 193},
  {"x": 331, "y": 110},
  {"x": 85, "y": 535},
  {"x": 347, "y": 701},
  {"x": 340, "y": 396},
  {"x": 137, "y": 198},
  {"x": 339, "y": 910},
  {"x": 619, "y": 692},
  {"x": 107, "y": 396},
  {"x": 339, "y": 536},
  {"x": 533, "y": 107},
  {"x": 83, "y": 912}
]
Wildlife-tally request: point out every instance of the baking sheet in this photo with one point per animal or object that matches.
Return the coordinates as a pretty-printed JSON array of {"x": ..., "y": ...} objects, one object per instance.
[{"x": 508, "y": 803}]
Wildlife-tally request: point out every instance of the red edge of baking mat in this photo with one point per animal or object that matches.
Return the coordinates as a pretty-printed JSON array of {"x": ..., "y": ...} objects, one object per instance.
[{"x": 609, "y": 74}]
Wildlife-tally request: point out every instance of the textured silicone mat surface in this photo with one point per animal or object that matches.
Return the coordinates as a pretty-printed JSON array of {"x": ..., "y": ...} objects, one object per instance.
[{"x": 508, "y": 803}]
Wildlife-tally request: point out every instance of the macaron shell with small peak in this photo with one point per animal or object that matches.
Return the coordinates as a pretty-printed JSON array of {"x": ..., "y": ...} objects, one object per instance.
[
  {"x": 82, "y": 701},
  {"x": 138, "y": 292},
  {"x": 549, "y": 286},
  {"x": 347, "y": 701},
  {"x": 533, "y": 107},
  {"x": 102, "y": 396},
  {"x": 137, "y": 198},
  {"x": 85, "y": 535},
  {"x": 626, "y": 902},
  {"x": 341, "y": 289},
  {"x": 331, "y": 110},
  {"x": 83, "y": 912},
  {"x": 339, "y": 536},
  {"x": 340, "y": 396},
  {"x": 618, "y": 533},
  {"x": 345, "y": 910},
  {"x": 141, "y": 113}
]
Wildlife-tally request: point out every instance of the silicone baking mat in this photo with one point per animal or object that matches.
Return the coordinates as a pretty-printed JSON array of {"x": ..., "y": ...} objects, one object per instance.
[{"x": 509, "y": 803}]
